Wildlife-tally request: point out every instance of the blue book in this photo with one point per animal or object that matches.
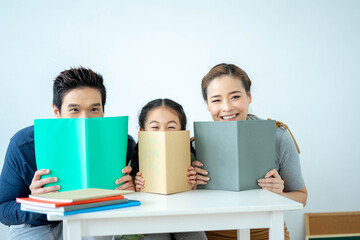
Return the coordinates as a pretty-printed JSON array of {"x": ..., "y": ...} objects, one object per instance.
[{"x": 130, "y": 203}]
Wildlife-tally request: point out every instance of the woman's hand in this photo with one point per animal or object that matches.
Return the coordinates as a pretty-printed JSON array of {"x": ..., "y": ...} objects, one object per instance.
[
  {"x": 272, "y": 182},
  {"x": 125, "y": 181},
  {"x": 139, "y": 182},
  {"x": 37, "y": 183},
  {"x": 201, "y": 178}
]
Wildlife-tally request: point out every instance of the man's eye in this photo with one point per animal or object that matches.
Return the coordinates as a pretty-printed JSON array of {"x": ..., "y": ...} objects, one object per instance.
[
  {"x": 74, "y": 110},
  {"x": 95, "y": 110}
]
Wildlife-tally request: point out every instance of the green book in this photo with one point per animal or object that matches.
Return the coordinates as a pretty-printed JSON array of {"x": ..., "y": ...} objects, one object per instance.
[
  {"x": 82, "y": 152},
  {"x": 235, "y": 153}
]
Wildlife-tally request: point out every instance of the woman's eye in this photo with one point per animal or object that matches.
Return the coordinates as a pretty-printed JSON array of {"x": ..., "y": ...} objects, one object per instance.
[
  {"x": 236, "y": 97},
  {"x": 154, "y": 127},
  {"x": 170, "y": 127},
  {"x": 215, "y": 100}
]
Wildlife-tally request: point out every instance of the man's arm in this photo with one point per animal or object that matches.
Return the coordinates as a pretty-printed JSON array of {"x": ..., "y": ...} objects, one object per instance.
[{"x": 13, "y": 185}]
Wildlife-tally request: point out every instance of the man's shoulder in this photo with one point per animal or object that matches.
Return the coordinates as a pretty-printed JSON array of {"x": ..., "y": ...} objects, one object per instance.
[{"x": 24, "y": 136}]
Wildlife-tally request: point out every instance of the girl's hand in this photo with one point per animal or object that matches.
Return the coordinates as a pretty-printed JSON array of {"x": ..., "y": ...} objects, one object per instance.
[
  {"x": 139, "y": 182},
  {"x": 125, "y": 181},
  {"x": 201, "y": 178},
  {"x": 272, "y": 182},
  {"x": 37, "y": 183}
]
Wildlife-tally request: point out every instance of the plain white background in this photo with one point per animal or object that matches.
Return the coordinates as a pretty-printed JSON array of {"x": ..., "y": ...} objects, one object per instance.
[{"x": 302, "y": 57}]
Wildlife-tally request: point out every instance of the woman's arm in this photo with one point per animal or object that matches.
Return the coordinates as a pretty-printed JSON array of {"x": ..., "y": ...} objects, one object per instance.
[{"x": 273, "y": 182}]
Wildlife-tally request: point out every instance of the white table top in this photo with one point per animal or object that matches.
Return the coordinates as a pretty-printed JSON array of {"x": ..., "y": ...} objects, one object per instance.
[{"x": 194, "y": 202}]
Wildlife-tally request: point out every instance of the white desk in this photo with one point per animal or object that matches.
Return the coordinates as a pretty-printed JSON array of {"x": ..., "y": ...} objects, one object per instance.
[{"x": 197, "y": 210}]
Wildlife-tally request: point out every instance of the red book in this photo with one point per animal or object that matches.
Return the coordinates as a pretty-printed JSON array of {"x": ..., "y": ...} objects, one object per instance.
[{"x": 53, "y": 204}]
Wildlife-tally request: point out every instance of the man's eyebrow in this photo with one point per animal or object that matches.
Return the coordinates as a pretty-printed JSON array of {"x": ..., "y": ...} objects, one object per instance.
[
  {"x": 70, "y": 105},
  {"x": 96, "y": 105}
]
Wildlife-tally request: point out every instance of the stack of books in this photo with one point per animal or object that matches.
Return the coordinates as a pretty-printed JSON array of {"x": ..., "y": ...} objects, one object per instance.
[{"x": 76, "y": 201}]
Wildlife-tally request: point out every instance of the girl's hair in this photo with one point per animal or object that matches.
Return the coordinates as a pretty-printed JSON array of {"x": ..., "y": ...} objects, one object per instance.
[
  {"x": 159, "y": 103},
  {"x": 223, "y": 69}
]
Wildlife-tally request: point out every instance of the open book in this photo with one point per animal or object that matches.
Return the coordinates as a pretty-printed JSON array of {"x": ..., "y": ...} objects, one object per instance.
[
  {"x": 235, "y": 153},
  {"x": 82, "y": 152}
]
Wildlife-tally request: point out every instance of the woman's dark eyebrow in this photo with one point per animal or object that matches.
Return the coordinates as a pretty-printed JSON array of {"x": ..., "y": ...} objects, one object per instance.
[
  {"x": 173, "y": 122},
  {"x": 153, "y": 121}
]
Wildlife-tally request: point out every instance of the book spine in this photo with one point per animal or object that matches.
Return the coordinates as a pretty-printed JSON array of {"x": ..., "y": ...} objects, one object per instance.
[{"x": 86, "y": 154}]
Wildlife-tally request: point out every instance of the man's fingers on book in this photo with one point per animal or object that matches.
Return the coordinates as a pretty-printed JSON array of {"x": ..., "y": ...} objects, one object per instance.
[
  {"x": 126, "y": 170},
  {"x": 39, "y": 173},
  {"x": 127, "y": 186}
]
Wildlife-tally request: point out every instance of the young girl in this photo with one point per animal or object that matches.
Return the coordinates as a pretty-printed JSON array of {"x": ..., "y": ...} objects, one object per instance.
[{"x": 163, "y": 115}]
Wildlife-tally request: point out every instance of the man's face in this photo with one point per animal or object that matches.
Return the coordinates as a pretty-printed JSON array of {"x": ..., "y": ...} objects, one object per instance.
[{"x": 80, "y": 103}]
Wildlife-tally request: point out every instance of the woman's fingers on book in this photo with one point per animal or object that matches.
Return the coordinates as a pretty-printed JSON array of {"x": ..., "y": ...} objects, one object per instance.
[
  {"x": 272, "y": 182},
  {"x": 197, "y": 164}
]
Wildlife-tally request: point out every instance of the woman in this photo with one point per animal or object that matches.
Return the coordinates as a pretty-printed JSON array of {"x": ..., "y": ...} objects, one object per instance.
[{"x": 226, "y": 90}]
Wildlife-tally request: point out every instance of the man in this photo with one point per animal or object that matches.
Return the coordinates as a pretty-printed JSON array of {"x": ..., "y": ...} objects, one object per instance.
[{"x": 77, "y": 93}]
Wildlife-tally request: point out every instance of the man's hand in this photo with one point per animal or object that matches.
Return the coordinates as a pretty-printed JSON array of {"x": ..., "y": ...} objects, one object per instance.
[
  {"x": 37, "y": 183},
  {"x": 125, "y": 181}
]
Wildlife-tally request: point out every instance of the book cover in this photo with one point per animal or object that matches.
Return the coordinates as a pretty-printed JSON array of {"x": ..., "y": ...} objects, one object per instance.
[
  {"x": 75, "y": 206},
  {"x": 164, "y": 158},
  {"x": 52, "y": 204},
  {"x": 82, "y": 152},
  {"x": 130, "y": 203},
  {"x": 79, "y": 195},
  {"x": 236, "y": 153}
]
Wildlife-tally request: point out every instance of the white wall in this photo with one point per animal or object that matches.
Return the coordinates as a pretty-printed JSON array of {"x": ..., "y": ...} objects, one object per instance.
[{"x": 302, "y": 56}]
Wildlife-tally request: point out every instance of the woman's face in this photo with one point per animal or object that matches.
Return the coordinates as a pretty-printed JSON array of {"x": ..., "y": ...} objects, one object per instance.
[
  {"x": 227, "y": 99},
  {"x": 162, "y": 119}
]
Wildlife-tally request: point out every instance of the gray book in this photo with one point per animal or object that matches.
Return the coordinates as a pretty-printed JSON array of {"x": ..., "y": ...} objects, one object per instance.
[{"x": 236, "y": 153}]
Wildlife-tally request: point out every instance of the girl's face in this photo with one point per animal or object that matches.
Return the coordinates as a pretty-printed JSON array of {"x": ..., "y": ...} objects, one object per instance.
[
  {"x": 227, "y": 99},
  {"x": 162, "y": 119}
]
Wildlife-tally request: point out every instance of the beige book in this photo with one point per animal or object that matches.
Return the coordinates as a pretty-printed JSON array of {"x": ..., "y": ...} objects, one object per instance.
[
  {"x": 79, "y": 195},
  {"x": 164, "y": 158}
]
